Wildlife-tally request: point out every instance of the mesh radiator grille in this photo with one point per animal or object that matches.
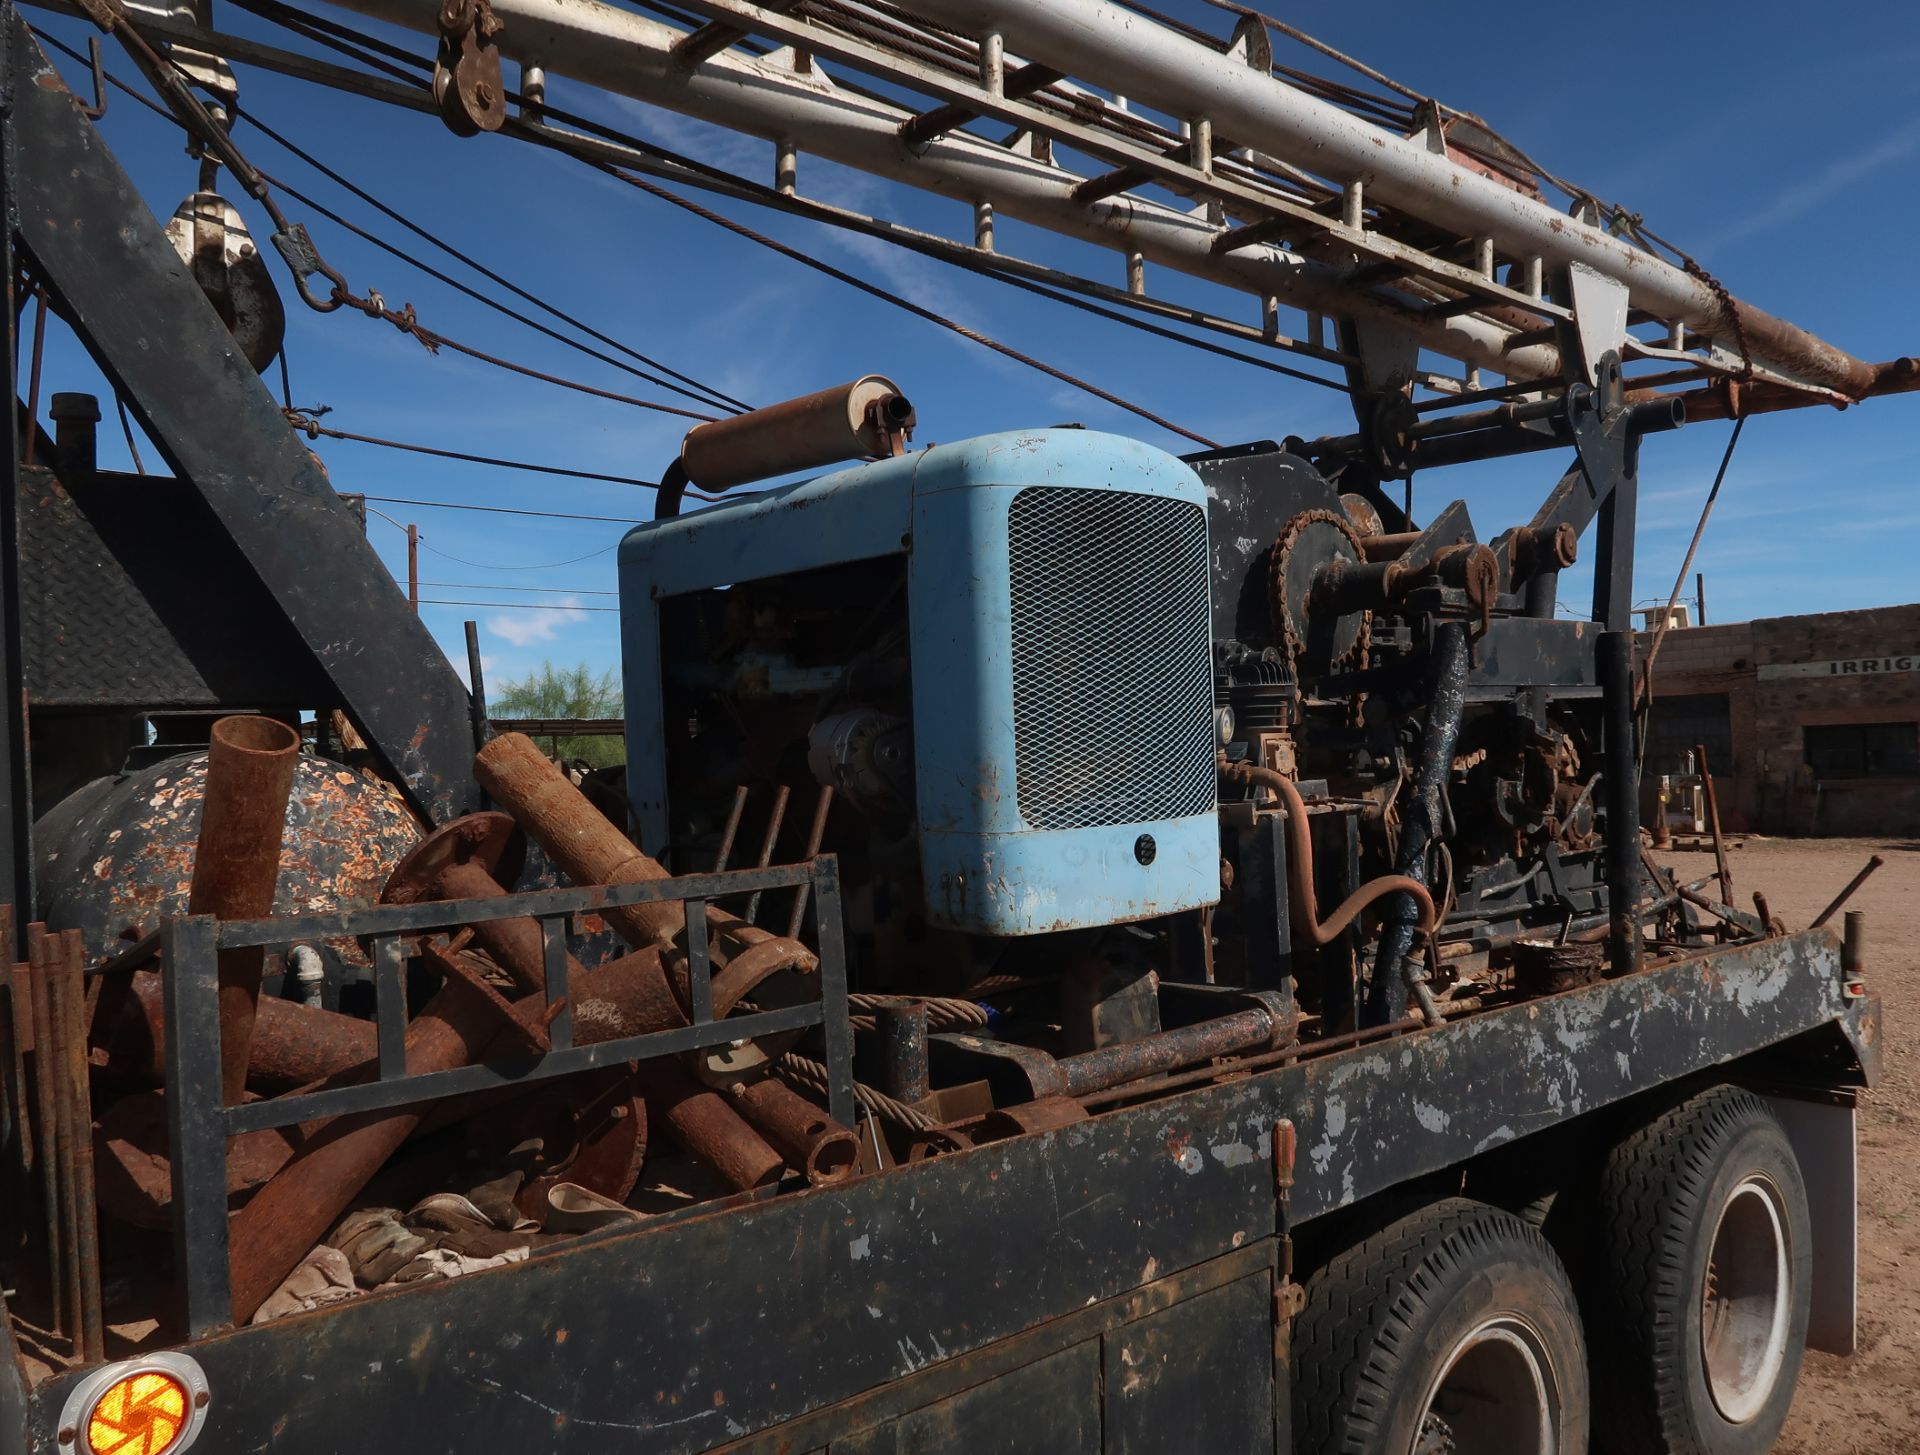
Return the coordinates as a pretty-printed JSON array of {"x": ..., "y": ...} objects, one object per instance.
[{"x": 1112, "y": 677}]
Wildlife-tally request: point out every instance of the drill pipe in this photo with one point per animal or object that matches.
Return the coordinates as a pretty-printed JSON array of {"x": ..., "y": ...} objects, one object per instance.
[
  {"x": 581, "y": 840},
  {"x": 1243, "y": 1030},
  {"x": 809, "y": 1139},
  {"x": 1620, "y": 799},
  {"x": 250, "y": 763},
  {"x": 703, "y": 1123}
]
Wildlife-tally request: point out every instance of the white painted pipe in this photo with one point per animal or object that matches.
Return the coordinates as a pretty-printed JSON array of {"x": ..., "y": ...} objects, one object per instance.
[
  {"x": 1160, "y": 68},
  {"x": 622, "y": 52}
]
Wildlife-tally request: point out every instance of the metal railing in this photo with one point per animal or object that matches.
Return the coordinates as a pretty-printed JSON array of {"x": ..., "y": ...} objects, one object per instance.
[{"x": 199, "y": 1126}]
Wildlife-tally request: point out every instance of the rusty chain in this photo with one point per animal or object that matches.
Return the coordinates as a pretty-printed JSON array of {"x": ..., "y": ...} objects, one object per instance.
[{"x": 1729, "y": 311}]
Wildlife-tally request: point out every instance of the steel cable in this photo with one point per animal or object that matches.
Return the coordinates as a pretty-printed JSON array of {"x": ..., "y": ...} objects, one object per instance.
[
  {"x": 706, "y": 394},
  {"x": 269, "y": 10},
  {"x": 707, "y": 214},
  {"x": 312, "y": 428},
  {"x": 944, "y": 1013},
  {"x": 491, "y": 509},
  {"x": 751, "y": 191},
  {"x": 194, "y": 118},
  {"x": 811, "y": 1075}
]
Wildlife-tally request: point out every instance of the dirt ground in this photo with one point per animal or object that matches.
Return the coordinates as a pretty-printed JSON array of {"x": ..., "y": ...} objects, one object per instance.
[{"x": 1868, "y": 1404}]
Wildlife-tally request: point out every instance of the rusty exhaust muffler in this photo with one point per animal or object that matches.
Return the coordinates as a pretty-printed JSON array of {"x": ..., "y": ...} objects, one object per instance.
[
  {"x": 869, "y": 417},
  {"x": 250, "y": 763}
]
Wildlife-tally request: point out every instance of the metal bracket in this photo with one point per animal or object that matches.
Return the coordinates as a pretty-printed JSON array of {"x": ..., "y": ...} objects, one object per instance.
[{"x": 1599, "y": 325}]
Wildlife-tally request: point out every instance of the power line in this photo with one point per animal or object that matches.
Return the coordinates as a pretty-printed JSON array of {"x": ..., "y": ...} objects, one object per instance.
[
  {"x": 488, "y": 509},
  {"x": 495, "y": 586},
  {"x": 706, "y": 214},
  {"x": 312, "y": 428},
  {"x": 707, "y": 393},
  {"x": 279, "y": 14},
  {"x": 544, "y": 565},
  {"x": 540, "y": 566},
  {"x": 517, "y": 605},
  {"x": 489, "y": 565},
  {"x": 373, "y": 305}
]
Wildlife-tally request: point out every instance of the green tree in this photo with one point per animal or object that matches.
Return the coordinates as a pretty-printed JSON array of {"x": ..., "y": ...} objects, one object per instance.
[{"x": 566, "y": 692}]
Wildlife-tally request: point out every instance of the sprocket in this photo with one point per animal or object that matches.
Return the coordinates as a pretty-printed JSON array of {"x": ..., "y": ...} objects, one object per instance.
[{"x": 1320, "y": 642}]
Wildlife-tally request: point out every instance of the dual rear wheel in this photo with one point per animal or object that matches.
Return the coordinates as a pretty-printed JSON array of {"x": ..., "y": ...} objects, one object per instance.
[{"x": 1458, "y": 1330}]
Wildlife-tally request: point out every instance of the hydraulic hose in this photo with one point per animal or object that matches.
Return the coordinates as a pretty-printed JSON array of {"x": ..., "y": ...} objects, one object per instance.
[
  {"x": 1303, "y": 905},
  {"x": 1421, "y": 826}
]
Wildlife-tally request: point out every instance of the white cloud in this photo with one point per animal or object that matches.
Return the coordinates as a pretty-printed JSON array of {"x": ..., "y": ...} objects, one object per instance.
[
  {"x": 536, "y": 626},
  {"x": 1793, "y": 203}
]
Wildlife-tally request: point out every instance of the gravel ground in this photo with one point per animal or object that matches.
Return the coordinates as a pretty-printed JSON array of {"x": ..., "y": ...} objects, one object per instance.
[{"x": 1868, "y": 1404}]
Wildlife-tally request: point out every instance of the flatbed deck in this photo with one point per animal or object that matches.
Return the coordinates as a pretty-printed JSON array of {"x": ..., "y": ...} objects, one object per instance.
[{"x": 1035, "y": 1284}]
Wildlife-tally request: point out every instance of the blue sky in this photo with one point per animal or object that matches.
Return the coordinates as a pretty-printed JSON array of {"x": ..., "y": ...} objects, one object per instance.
[{"x": 1783, "y": 153}]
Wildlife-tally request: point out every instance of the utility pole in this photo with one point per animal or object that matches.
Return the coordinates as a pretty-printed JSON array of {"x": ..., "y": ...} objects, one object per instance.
[
  {"x": 1700, "y": 594},
  {"x": 413, "y": 567}
]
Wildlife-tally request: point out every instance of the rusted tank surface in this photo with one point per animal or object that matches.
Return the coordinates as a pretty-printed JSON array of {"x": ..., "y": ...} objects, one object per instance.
[{"x": 118, "y": 854}]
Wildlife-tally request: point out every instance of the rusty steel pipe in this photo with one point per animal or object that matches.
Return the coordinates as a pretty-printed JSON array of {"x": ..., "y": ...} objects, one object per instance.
[
  {"x": 902, "y": 1033},
  {"x": 1853, "y": 884},
  {"x": 476, "y": 857},
  {"x": 516, "y": 945},
  {"x": 811, "y": 1141},
  {"x": 1303, "y": 912},
  {"x": 68, "y": 962},
  {"x": 712, "y": 1131},
  {"x": 250, "y": 763},
  {"x": 293, "y": 1044},
  {"x": 48, "y": 1115},
  {"x": 1091, "y": 1071},
  {"x": 869, "y": 416},
  {"x": 290, "y": 1214},
  {"x": 580, "y": 839},
  {"x": 1388, "y": 547},
  {"x": 576, "y": 835},
  {"x": 50, "y": 964},
  {"x": 13, "y": 1038}
]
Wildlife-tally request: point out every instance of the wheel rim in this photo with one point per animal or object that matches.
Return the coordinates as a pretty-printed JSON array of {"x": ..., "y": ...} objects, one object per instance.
[
  {"x": 1745, "y": 1303},
  {"x": 1495, "y": 1394}
]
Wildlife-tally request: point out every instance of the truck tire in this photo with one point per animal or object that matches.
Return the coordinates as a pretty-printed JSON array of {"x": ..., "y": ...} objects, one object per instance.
[
  {"x": 1698, "y": 1313},
  {"x": 1452, "y": 1332}
]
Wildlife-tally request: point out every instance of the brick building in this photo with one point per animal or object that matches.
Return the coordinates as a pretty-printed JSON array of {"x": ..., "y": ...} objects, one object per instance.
[{"x": 1811, "y": 723}]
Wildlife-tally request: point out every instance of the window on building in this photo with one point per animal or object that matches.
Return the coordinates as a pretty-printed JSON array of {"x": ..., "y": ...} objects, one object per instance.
[
  {"x": 1864, "y": 750},
  {"x": 1681, "y": 723}
]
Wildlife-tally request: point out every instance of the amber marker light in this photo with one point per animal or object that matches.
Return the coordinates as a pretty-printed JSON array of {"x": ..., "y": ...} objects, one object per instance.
[{"x": 150, "y": 1406}]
